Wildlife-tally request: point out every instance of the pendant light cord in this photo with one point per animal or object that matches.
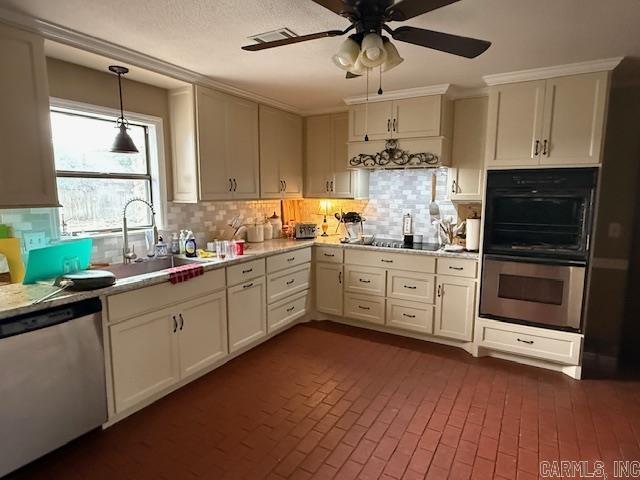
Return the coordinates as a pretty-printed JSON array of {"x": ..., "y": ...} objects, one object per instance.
[
  {"x": 366, "y": 111},
  {"x": 120, "y": 92}
]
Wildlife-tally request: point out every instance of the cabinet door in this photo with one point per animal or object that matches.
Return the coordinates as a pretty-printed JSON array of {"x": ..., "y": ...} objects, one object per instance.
[
  {"x": 374, "y": 120},
  {"x": 455, "y": 308},
  {"x": 466, "y": 179},
  {"x": 202, "y": 332},
  {"x": 319, "y": 151},
  {"x": 574, "y": 114},
  {"x": 514, "y": 124},
  {"x": 329, "y": 288},
  {"x": 247, "y": 305},
  {"x": 271, "y": 152},
  {"x": 144, "y": 357},
  {"x": 242, "y": 147},
  {"x": 27, "y": 177},
  {"x": 417, "y": 117},
  {"x": 213, "y": 146},
  {"x": 291, "y": 157},
  {"x": 183, "y": 145},
  {"x": 342, "y": 186}
]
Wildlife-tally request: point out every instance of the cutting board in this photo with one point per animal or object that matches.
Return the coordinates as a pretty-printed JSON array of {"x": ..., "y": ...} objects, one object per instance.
[{"x": 10, "y": 248}]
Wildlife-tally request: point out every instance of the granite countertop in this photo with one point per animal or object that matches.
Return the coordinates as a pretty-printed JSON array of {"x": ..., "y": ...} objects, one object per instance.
[{"x": 17, "y": 299}]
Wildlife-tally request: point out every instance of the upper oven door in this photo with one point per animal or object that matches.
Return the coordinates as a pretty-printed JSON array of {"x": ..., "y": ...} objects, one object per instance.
[{"x": 530, "y": 292}]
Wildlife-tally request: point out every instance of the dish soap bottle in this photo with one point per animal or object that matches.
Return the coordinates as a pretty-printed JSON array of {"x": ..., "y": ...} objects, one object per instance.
[
  {"x": 190, "y": 245},
  {"x": 175, "y": 244}
]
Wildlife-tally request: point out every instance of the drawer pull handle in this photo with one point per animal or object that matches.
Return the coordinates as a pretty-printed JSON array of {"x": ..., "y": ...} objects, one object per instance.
[
  {"x": 290, "y": 281},
  {"x": 362, "y": 280},
  {"x": 248, "y": 285},
  {"x": 248, "y": 270},
  {"x": 528, "y": 342},
  {"x": 386, "y": 261},
  {"x": 291, "y": 309},
  {"x": 408, "y": 315},
  {"x": 439, "y": 290},
  {"x": 291, "y": 259},
  {"x": 329, "y": 254},
  {"x": 455, "y": 268},
  {"x": 410, "y": 287},
  {"x": 364, "y": 308}
]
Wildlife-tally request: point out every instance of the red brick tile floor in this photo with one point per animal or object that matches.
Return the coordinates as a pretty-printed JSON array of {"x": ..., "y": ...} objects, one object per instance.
[{"x": 324, "y": 401}]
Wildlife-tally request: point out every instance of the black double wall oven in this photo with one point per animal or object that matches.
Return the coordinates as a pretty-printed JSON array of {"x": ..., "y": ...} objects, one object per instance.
[{"x": 537, "y": 232}]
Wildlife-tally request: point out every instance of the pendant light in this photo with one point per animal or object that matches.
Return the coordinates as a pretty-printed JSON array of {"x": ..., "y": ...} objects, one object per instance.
[{"x": 123, "y": 142}]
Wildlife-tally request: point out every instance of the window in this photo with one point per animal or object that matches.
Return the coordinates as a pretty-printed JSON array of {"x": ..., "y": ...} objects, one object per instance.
[{"x": 93, "y": 183}]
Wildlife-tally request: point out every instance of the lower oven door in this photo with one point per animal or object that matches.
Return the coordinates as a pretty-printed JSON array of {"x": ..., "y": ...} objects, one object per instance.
[{"x": 543, "y": 294}]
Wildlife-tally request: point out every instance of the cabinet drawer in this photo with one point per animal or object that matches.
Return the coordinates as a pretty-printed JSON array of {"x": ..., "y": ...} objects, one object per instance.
[
  {"x": 328, "y": 254},
  {"x": 398, "y": 261},
  {"x": 365, "y": 280},
  {"x": 283, "y": 313},
  {"x": 147, "y": 299},
  {"x": 369, "y": 309},
  {"x": 561, "y": 347},
  {"x": 457, "y": 267},
  {"x": 293, "y": 280},
  {"x": 410, "y": 286},
  {"x": 289, "y": 259},
  {"x": 413, "y": 316},
  {"x": 237, "y": 274}
]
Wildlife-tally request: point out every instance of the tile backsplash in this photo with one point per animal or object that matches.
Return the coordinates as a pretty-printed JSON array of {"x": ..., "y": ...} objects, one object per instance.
[{"x": 392, "y": 193}]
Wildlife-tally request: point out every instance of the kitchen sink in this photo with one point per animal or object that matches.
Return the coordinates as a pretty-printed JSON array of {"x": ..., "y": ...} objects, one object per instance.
[{"x": 126, "y": 270}]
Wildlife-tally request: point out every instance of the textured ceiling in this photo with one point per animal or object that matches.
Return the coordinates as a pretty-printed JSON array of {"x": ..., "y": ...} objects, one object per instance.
[{"x": 206, "y": 36}]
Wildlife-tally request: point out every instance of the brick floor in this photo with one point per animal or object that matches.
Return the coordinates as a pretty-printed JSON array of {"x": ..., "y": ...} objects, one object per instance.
[{"x": 330, "y": 401}]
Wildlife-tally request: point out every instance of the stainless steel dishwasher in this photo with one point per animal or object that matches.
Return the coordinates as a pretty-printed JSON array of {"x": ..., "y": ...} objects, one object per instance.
[{"x": 52, "y": 380}]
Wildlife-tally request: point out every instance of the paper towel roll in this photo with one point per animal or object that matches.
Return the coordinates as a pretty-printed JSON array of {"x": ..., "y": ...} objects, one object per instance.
[{"x": 473, "y": 234}]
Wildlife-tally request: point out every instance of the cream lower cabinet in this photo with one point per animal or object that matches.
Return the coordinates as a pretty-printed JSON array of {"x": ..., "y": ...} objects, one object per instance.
[
  {"x": 455, "y": 307},
  {"x": 152, "y": 352},
  {"x": 329, "y": 287},
  {"x": 247, "y": 304}
]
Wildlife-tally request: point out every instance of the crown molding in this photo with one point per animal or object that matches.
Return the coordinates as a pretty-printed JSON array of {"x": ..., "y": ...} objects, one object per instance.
[
  {"x": 67, "y": 36},
  {"x": 591, "y": 66},
  {"x": 324, "y": 111},
  {"x": 456, "y": 92},
  {"x": 399, "y": 94}
]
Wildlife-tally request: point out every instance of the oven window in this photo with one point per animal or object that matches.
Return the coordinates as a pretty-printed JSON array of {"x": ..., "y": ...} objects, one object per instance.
[{"x": 531, "y": 289}]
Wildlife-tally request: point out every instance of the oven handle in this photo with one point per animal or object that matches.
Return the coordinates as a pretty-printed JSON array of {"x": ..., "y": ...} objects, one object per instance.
[{"x": 538, "y": 260}]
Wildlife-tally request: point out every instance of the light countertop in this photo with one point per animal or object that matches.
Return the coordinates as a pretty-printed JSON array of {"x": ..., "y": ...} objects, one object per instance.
[{"x": 17, "y": 299}]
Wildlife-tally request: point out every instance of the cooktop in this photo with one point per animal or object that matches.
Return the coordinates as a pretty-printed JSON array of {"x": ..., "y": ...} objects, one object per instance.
[{"x": 394, "y": 243}]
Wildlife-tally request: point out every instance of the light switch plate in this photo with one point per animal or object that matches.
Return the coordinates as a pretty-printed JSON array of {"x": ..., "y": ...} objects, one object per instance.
[{"x": 34, "y": 240}]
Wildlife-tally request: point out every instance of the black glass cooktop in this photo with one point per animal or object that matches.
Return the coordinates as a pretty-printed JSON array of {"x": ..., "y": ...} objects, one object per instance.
[{"x": 394, "y": 243}]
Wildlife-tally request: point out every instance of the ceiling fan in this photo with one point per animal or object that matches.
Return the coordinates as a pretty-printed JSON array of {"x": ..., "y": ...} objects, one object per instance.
[{"x": 368, "y": 47}]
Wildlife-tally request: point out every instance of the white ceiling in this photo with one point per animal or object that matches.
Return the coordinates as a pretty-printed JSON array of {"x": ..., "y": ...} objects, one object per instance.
[{"x": 206, "y": 35}]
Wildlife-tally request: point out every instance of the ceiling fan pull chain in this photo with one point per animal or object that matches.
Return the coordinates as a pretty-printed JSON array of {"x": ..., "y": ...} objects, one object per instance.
[
  {"x": 366, "y": 111},
  {"x": 380, "y": 88}
]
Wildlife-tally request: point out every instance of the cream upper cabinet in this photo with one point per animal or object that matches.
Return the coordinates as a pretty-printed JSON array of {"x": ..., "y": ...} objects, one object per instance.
[
  {"x": 280, "y": 154},
  {"x": 183, "y": 145},
  {"x": 428, "y": 116},
  {"x": 329, "y": 288},
  {"x": 466, "y": 177},
  {"x": 27, "y": 177},
  {"x": 202, "y": 332},
  {"x": 455, "y": 307},
  {"x": 559, "y": 121},
  {"x": 515, "y": 124},
  {"x": 227, "y": 146},
  {"x": 326, "y": 159},
  {"x": 247, "y": 305},
  {"x": 574, "y": 117}
]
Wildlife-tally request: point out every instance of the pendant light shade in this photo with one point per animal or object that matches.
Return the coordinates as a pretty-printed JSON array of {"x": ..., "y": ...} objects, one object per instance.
[
  {"x": 123, "y": 142},
  {"x": 346, "y": 56},
  {"x": 372, "y": 52},
  {"x": 393, "y": 57}
]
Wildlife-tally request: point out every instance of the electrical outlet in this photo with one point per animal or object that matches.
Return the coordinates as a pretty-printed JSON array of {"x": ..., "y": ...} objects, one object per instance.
[
  {"x": 34, "y": 240},
  {"x": 615, "y": 230}
]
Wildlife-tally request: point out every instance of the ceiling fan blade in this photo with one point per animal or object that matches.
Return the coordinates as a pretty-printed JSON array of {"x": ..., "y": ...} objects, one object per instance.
[
  {"x": 351, "y": 75},
  {"x": 342, "y": 8},
  {"x": 445, "y": 42},
  {"x": 406, "y": 9},
  {"x": 289, "y": 41}
]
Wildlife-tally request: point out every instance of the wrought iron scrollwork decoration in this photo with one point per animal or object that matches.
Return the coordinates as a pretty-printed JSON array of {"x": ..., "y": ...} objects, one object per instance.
[{"x": 393, "y": 156}]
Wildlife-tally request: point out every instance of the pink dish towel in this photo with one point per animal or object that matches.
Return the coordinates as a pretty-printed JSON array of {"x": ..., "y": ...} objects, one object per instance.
[{"x": 185, "y": 272}]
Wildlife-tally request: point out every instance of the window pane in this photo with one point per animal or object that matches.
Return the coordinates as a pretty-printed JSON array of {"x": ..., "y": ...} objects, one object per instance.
[
  {"x": 82, "y": 144},
  {"x": 96, "y": 204}
]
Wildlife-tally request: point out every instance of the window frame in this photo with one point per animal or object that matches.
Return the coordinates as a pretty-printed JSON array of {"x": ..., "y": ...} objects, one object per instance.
[{"x": 154, "y": 143}]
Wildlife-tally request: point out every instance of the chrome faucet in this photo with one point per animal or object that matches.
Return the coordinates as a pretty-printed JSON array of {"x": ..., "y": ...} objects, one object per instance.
[{"x": 129, "y": 254}]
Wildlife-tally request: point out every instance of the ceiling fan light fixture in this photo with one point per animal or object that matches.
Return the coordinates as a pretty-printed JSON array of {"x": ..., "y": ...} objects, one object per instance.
[
  {"x": 358, "y": 68},
  {"x": 393, "y": 57},
  {"x": 347, "y": 55},
  {"x": 372, "y": 52}
]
